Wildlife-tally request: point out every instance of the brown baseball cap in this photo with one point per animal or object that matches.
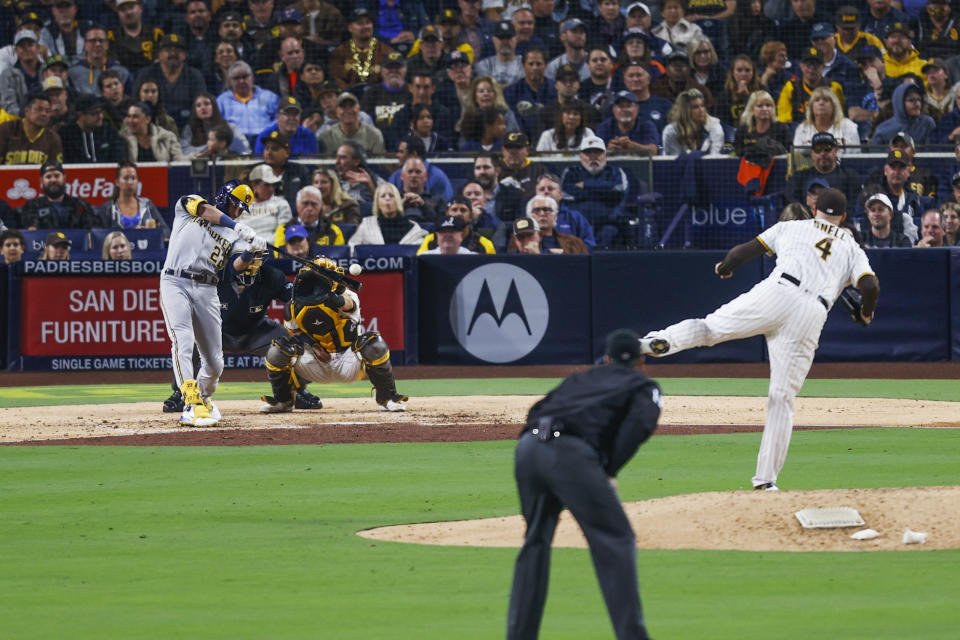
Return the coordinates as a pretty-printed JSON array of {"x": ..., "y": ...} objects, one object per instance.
[{"x": 832, "y": 202}]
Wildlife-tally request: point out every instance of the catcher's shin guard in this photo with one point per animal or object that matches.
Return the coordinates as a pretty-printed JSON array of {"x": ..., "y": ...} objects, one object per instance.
[
  {"x": 375, "y": 355},
  {"x": 279, "y": 363}
]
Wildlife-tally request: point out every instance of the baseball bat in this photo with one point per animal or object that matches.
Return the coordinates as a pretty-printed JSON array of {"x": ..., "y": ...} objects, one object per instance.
[{"x": 333, "y": 275}]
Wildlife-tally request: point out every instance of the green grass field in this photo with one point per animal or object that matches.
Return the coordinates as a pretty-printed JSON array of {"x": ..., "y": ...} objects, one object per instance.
[{"x": 258, "y": 542}]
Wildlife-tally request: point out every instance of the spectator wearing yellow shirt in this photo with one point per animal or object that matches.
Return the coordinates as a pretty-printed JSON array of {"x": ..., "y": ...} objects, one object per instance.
[
  {"x": 901, "y": 57},
  {"x": 795, "y": 95}
]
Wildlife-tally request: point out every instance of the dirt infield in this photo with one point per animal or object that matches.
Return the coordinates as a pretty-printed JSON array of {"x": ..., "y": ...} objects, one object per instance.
[{"x": 743, "y": 520}]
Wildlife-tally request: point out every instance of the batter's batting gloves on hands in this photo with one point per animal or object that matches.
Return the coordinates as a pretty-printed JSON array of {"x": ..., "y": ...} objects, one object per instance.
[
  {"x": 259, "y": 244},
  {"x": 246, "y": 233}
]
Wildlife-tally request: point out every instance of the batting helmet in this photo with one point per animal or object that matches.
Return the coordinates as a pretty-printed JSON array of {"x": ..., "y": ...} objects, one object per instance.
[{"x": 234, "y": 192}]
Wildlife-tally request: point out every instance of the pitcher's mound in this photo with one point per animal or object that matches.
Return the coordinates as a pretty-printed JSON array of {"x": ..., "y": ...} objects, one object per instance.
[{"x": 733, "y": 520}]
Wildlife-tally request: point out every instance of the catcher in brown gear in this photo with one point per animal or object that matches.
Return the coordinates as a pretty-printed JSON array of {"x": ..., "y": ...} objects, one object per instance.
[{"x": 327, "y": 313}]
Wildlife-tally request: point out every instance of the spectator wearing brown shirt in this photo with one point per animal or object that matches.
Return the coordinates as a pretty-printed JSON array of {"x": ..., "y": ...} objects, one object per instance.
[
  {"x": 358, "y": 60},
  {"x": 29, "y": 141}
]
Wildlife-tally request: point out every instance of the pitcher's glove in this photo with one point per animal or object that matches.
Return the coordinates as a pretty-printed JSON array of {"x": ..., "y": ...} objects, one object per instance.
[{"x": 852, "y": 302}]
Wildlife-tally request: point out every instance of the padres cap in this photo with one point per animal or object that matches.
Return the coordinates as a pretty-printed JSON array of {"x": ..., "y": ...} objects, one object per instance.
[
  {"x": 832, "y": 202},
  {"x": 328, "y": 87},
  {"x": 289, "y": 103},
  {"x": 898, "y": 27},
  {"x": 172, "y": 40},
  {"x": 625, "y": 95},
  {"x": 820, "y": 183},
  {"x": 448, "y": 16},
  {"x": 525, "y": 225},
  {"x": 634, "y": 33},
  {"x": 811, "y": 54},
  {"x": 53, "y": 83},
  {"x": 50, "y": 165},
  {"x": 277, "y": 138},
  {"x": 567, "y": 72},
  {"x": 30, "y": 17},
  {"x": 898, "y": 157},
  {"x": 430, "y": 32},
  {"x": 935, "y": 63},
  {"x": 346, "y": 96},
  {"x": 504, "y": 29},
  {"x": 53, "y": 61},
  {"x": 823, "y": 138},
  {"x": 295, "y": 231},
  {"x": 264, "y": 173},
  {"x": 879, "y": 197},
  {"x": 394, "y": 59},
  {"x": 848, "y": 16},
  {"x": 452, "y": 223},
  {"x": 623, "y": 346},
  {"x": 57, "y": 237},
  {"x": 516, "y": 140}
]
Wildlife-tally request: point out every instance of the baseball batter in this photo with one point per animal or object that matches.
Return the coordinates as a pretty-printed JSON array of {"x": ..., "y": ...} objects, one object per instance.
[
  {"x": 326, "y": 315},
  {"x": 816, "y": 259},
  {"x": 200, "y": 245}
]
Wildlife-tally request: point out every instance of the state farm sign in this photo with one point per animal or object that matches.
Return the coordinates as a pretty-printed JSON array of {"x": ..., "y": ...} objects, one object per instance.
[{"x": 93, "y": 183}]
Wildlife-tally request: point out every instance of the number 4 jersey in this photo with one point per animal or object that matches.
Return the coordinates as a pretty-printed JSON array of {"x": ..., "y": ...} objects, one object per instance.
[
  {"x": 195, "y": 244},
  {"x": 824, "y": 257}
]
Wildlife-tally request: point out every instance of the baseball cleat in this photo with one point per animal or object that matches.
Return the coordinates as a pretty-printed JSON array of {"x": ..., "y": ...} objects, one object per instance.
[
  {"x": 306, "y": 400},
  {"x": 654, "y": 346},
  {"x": 214, "y": 418},
  {"x": 186, "y": 418},
  {"x": 202, "y": 417},
  {"x": 174, "y": 404},
  {"x": 766, "y": 486},
  {"x": 272, "y": 405},
  {"x": 396, "y": 403}
]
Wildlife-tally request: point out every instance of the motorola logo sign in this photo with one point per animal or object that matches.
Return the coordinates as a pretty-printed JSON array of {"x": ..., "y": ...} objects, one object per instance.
[{"x": 499, "y": 313}]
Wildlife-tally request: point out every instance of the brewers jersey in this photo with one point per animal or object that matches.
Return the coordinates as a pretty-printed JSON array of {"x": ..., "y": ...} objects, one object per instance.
[{"x": 195, "y": 244}]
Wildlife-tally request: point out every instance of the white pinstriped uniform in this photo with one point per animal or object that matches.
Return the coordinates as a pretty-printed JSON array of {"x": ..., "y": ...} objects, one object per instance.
[
  {"x": 824, "y": 258},
  {"x": 191, "y": 309}
]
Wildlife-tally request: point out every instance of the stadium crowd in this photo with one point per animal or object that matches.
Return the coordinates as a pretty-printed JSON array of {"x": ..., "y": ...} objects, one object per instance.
[{"x": 137, "y": 81}]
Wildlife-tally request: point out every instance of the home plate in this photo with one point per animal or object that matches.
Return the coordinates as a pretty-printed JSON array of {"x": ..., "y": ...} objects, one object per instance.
[{"x": 829, "y": 517}]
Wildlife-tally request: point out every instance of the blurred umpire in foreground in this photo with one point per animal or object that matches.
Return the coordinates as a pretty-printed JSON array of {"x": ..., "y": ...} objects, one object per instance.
[{"x": 576, "y": 440}]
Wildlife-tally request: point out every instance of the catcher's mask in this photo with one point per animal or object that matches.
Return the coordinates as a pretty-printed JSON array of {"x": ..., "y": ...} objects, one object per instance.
[
  {"x": 234, "y": 192},
  {"x": 249, "y": 275}
]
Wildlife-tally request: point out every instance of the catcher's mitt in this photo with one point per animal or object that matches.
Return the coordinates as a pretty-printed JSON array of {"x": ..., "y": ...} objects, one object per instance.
[{"x": 853, "y": 304}]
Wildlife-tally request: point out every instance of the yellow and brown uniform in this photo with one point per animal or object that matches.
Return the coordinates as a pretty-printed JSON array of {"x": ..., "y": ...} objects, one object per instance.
[{"x": 17, "y": 147}]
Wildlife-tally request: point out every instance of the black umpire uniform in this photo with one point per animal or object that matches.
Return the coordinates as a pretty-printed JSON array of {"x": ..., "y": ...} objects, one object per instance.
[
  {"x": 576, "y": 440},
  {"x": 244, "y": 306}
]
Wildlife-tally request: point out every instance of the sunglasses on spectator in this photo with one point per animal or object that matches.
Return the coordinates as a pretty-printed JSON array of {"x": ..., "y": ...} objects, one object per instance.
[{"x": 823, "y": 148}]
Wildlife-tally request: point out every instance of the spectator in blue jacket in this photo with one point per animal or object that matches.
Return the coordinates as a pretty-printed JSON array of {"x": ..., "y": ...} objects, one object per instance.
[
  {"x": 302, "y": 140},
  {"x": 908, "y": 116},
  {"x": 601, "y": 191},
  {"x": 528, "y": 95},
  {"x": 569, "y": 220}
]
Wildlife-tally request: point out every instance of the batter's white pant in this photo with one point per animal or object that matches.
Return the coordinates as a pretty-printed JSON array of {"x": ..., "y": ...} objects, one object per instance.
[
  {"x": 343, "y": 367},
  {"x": 791, "y": 321},
  {"x": 191, "y": 311}
]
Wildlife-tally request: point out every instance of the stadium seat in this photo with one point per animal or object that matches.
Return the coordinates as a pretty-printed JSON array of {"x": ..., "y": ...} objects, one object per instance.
[
  {"x": 362, "y": 251},
  {"x": 78, "y": 238},
  {"x": 140, "y": 239}
]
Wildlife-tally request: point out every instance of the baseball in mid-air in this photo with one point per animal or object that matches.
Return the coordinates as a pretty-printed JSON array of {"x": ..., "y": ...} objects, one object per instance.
[{"x": 355, "y": 269}]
